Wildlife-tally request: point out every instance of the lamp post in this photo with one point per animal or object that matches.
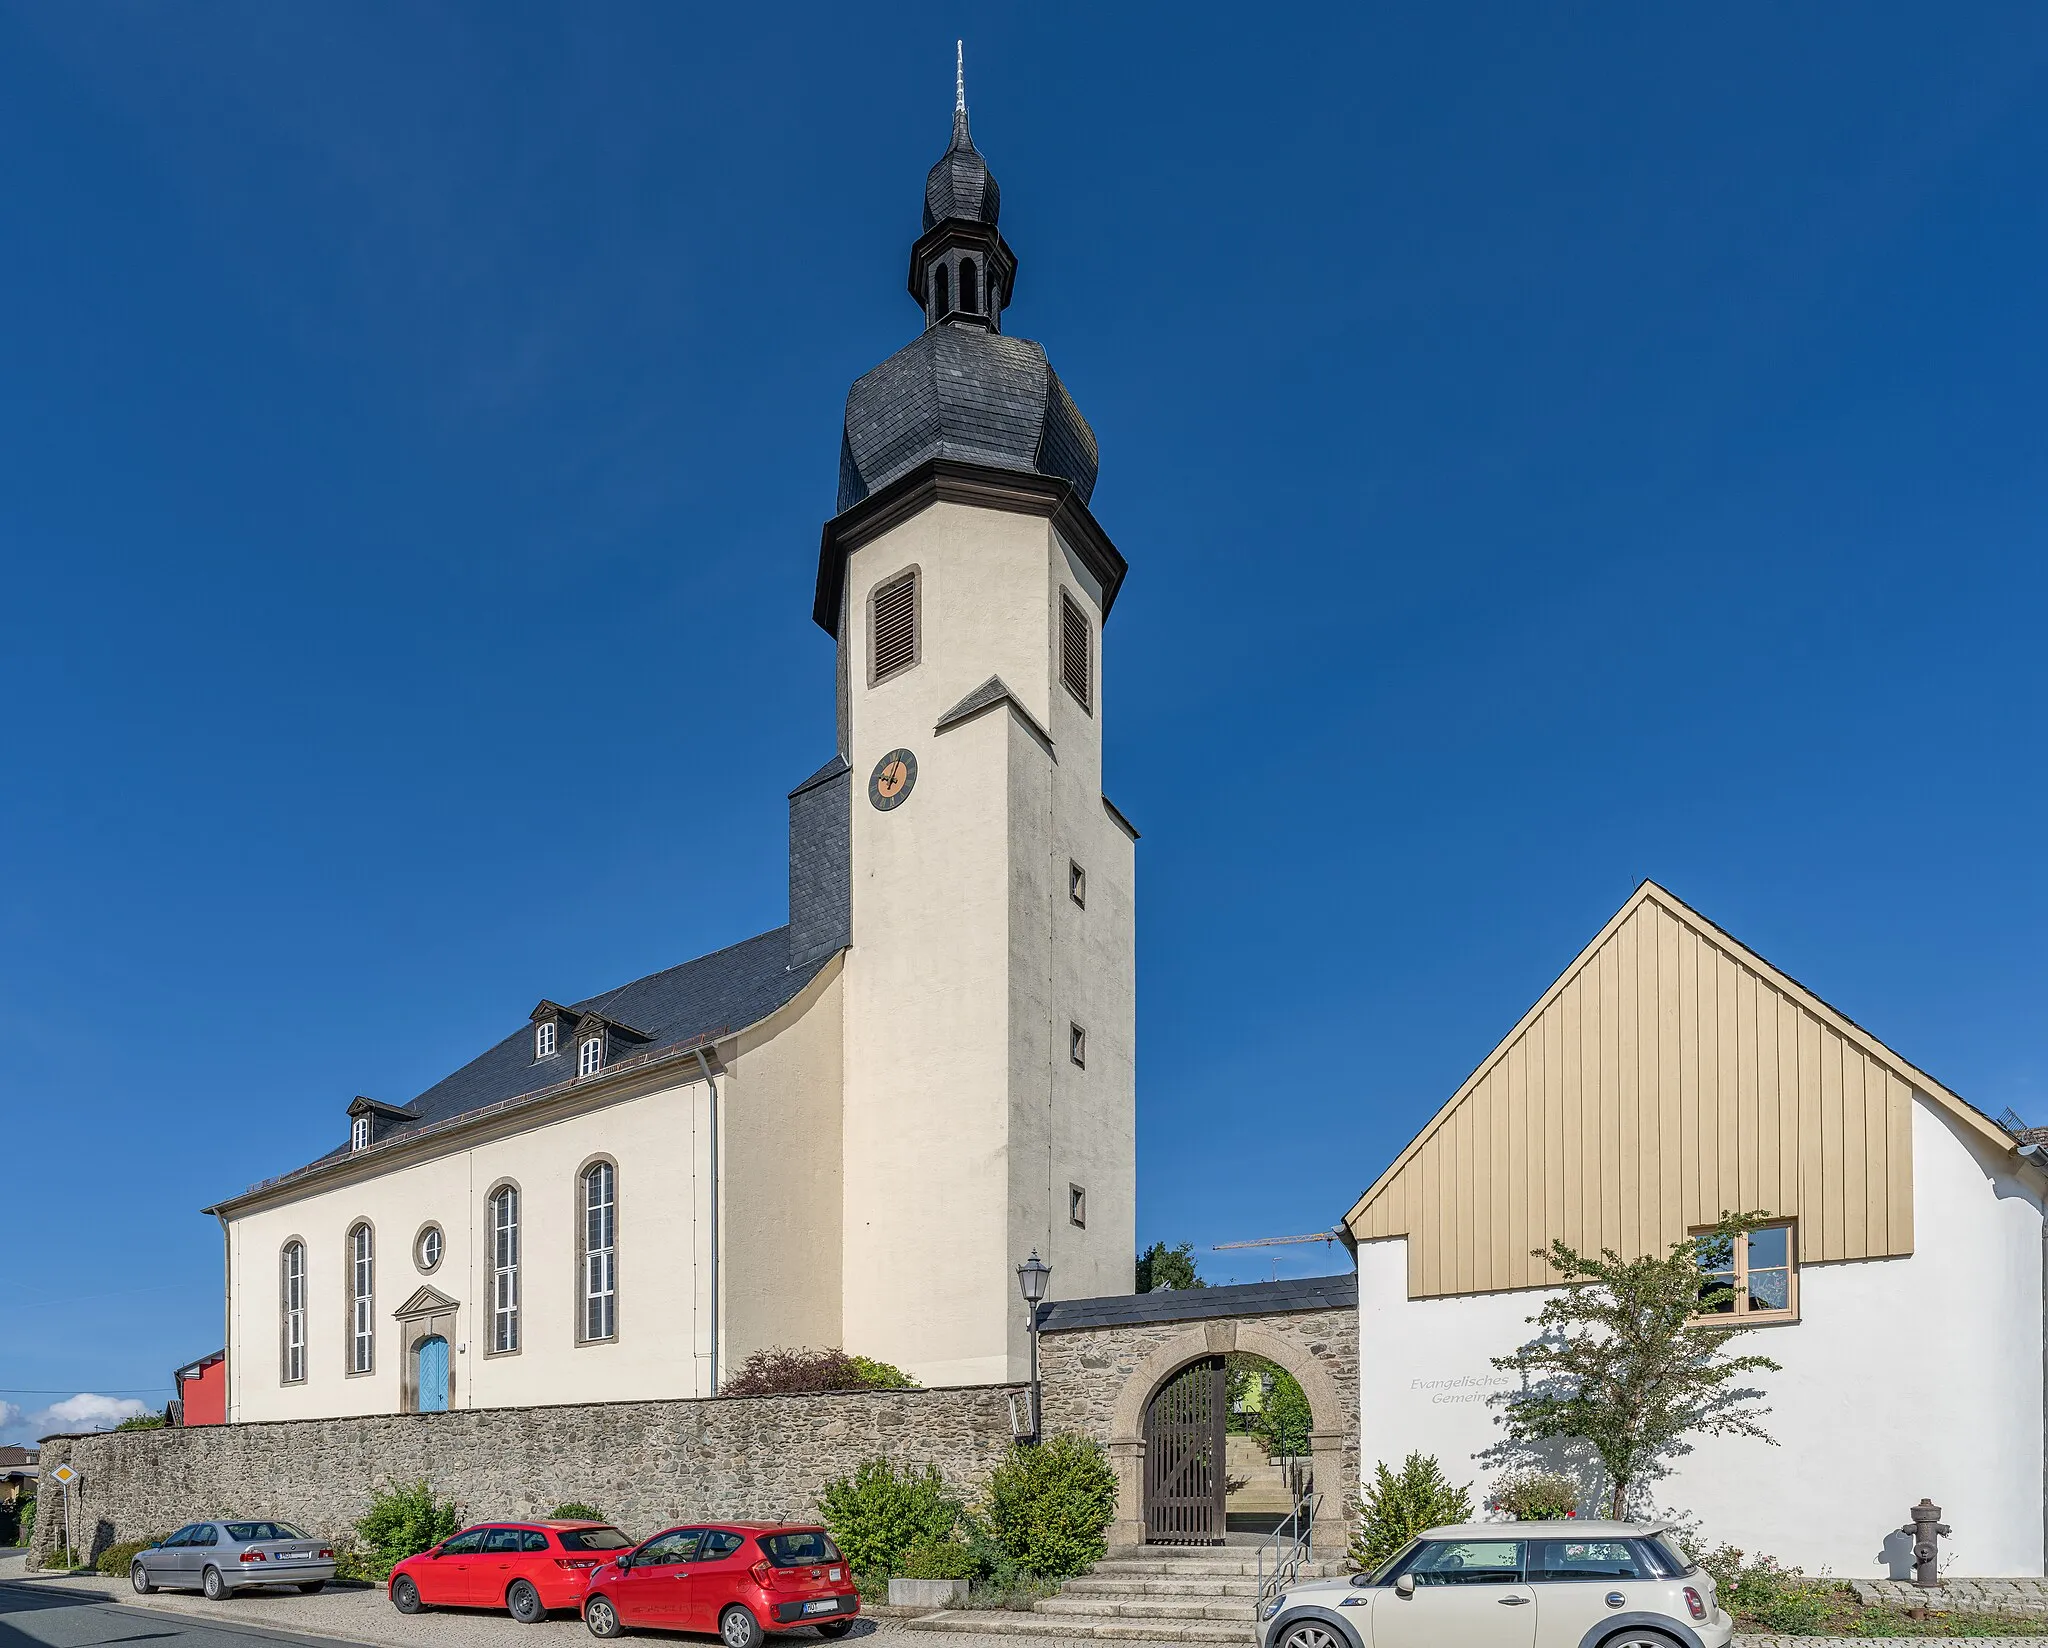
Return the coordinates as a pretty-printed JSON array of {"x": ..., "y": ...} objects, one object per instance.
[{"x": 1034, "y": 1277}]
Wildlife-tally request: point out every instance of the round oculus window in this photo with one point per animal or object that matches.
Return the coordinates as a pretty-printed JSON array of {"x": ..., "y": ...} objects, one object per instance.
[{"x": 426, "y": 1248}]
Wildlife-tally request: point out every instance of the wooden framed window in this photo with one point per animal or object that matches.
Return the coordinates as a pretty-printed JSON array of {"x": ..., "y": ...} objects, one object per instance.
[
  {"x": 591, "y": 1059},
  {"x": 1076, "y": 667},
  {"x": 1077, "y": 1045},
  {"x": 1077, "y": 1206},
  {"x": 1753, "y": 1278},
  {"x": 544, "y": 1040},
  {"x": 362, "y": 1300},
  {"x": 600, "y": 1313},
  {"x": 292, "y": 1312},
  {"x": 359, "y": 1133},
  {"x": 893, "y": 627},
  {"x": 503, "y": 1208},
  {"x": 1077, "y": 884}
]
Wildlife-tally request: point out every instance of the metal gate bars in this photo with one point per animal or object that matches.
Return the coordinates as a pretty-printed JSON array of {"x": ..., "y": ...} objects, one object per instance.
[{"x": 1184, "y": 1483}]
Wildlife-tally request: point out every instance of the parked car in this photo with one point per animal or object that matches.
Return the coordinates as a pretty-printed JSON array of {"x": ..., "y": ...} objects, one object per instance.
[
  {"x": 221, "y": 1558},
  {"x": 525, "y": 1567},
  {"x": 1512, "y": 1585},
  {"x": 740, "y": 1579}
]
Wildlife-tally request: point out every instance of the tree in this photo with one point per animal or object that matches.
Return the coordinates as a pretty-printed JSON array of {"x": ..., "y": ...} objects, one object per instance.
[
  {"x": 1622, "y": 1361},
  {"x": 1397, "y": 1506},
  {"x": 1160, "y": 1266}
]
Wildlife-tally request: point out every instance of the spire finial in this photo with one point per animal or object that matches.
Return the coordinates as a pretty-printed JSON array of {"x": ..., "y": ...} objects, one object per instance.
[{"x": 959, "y": 76}]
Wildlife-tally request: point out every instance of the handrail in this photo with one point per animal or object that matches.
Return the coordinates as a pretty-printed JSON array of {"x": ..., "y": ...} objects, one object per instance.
[{"x": 1289, "y": 1548}]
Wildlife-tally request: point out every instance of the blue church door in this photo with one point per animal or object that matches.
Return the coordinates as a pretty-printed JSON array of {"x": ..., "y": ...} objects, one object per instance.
[{"x": 433, "y": 1370}]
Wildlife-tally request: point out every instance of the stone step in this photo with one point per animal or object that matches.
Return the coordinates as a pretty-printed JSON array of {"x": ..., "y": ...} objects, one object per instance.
[
  {"x": 1209, "y": 1585},
  {"x": 1189, "y": 1567},
  {"x": 999, "y": 1622},
  {"x": 1103, "y": 1607}
]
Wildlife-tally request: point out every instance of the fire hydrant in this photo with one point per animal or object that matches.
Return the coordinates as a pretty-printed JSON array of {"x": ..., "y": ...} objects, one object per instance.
[{"x": 1926, "y": 1528}]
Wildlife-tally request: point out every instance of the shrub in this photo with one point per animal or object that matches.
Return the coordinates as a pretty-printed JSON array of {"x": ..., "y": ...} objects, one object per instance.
[
  {"x": 876, "y": 1515},
  {"x": 576, "y": 1511},
  {"x": 937, "y": 1559},
  {"x": 351, "y": 1562},
  {"x": 1048, "y": 1506},
  {"x": 1780, "y": 1599},
  {"x": 114, "y": 1559},
  {"x": 1397, "y": 1507},
  {"x": 60, "y": 1560},
  {"x": 402, "y": 1521},
  {"x": 780, "y": 1372},
  {"x": 1535, "y": 1496},
  {"x": 143, "y": 1422}
]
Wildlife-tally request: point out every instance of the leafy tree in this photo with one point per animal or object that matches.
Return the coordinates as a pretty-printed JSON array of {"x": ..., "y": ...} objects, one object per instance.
[
  {"x": 404, "y": 1520},
  {"x": 1160, "y": 1266},
  {"x": 143, "y": 1422},
  {"x": 875, "y": 1515},
  {"x": 1622, "y": 1360},
  {"x": 1048, "y": 1506},
  {"x": 1399, "y": 1505}
]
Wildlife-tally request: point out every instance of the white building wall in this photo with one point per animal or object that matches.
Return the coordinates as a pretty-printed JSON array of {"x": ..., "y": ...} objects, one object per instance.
[
  {"x": 661, "y": 1144},
  {"x": 1903, "y": 1378}
]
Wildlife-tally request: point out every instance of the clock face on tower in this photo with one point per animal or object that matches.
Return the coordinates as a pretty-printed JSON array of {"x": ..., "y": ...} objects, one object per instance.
[{"x": 894, "y": 777}]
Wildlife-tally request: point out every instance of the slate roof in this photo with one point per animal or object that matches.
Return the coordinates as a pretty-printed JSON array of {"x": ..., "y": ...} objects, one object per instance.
[
  {"x": 962, "y": 391},
  {"x": 726, "y": 990},
  {"x": 961, "y": 187},
  {"x": 1195, "y": 1304}
]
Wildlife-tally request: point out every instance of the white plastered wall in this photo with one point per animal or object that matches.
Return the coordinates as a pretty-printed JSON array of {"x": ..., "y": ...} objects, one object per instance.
[
  {"x": 965, "y": 1121},
  {"x": 1903, "y": 1378},
  {"x": 661, "y": 1144}
]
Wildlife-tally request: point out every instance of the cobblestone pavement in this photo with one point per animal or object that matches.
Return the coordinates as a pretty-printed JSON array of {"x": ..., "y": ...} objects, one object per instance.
[{"x": 366, "y": 1616}]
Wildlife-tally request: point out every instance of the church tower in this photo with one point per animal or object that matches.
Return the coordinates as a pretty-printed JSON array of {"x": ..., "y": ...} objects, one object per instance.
[{"x": 989, "y": 1028}]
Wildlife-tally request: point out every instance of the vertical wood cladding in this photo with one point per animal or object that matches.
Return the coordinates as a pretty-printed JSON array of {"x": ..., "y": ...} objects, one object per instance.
[{"x": 1668, "y": 1076}]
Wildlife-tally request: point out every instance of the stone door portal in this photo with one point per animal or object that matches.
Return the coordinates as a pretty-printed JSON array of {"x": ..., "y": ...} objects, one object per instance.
[{"x": 1184, "y": 1478}]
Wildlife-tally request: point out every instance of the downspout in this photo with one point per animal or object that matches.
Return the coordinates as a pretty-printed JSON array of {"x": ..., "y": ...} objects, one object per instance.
[
  {"x": 711, "y": 1087},
  {"x": 227, "y": 1317}
]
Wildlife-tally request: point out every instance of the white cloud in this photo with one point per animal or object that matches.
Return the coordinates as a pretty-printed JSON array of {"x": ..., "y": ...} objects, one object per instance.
[{"x": 87, "y": 1411}]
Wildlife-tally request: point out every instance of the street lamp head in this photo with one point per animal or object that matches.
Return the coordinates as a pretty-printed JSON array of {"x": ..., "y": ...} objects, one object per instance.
[{"x": 1034, "y": 1275}]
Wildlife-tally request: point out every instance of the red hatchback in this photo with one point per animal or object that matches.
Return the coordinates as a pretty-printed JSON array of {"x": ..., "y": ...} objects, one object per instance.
[
  {"x": 527, "y": 1567},
  {"x": 736, "y": 1578}
]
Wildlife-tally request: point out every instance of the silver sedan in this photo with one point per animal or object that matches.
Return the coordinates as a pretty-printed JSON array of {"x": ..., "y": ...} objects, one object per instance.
[{"x": 219, "y": 1558}]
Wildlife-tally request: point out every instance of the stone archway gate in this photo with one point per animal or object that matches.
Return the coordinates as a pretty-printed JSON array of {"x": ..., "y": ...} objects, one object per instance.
[{"x": 1101, "y": 1362}]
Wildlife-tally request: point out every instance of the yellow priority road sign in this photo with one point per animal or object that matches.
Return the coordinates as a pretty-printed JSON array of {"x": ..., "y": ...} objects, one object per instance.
[{"x": 64, "y": 1473}]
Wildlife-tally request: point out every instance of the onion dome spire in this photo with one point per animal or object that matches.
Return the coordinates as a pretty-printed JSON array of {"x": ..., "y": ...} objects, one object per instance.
[
  {"x": 960, "y": 185},
  {"x": 961, "y": 269}
]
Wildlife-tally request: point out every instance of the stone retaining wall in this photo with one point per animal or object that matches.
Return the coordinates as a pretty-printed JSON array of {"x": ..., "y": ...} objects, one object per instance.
[{"x": 644, "y": 1464}]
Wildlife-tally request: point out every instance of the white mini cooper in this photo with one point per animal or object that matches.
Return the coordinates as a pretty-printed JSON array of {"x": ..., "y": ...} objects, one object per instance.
[{"x": 1512, "y": 1585}]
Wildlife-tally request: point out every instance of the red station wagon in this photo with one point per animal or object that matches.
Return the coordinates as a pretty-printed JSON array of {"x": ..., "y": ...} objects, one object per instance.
[
  {"x": 736, "y": 1578},
  {"x": 527, "y": 1567}
]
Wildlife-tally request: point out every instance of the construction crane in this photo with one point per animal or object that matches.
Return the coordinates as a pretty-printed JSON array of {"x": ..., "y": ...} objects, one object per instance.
[{"x": 1323, "y": 1236}]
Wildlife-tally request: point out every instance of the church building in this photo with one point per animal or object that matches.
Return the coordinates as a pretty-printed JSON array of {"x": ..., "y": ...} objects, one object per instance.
[{"x": 848, "y": 1131}]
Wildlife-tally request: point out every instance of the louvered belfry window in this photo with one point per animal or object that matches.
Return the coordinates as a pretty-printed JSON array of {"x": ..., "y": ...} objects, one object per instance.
[
  {"x": 893, "y": 615},
  {"x": 1074, "y": 670}
]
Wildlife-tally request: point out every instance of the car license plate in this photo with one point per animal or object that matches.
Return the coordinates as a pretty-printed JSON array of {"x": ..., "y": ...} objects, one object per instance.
[{"x": 824, "y": 1605}]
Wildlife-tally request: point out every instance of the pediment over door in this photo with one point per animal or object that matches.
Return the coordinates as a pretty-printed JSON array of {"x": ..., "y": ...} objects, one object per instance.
[{"x": 425, "y": 1301}]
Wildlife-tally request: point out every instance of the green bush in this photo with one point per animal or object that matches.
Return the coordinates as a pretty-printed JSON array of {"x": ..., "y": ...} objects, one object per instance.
[
  {"x": 1778, "y": 1598},
  {"x": 881, "y": 1375},
  {"x": 1048, "y": 1506},
  {"x": 402, "y": 1521},
  {"x": 143, "y": 1422},
  {"x": 875, "y": 1515},
  {"x": 1535, "y": 1496},
  {"x": 937, "y": 1559},
  {"x": 114, "y": 1559},
  {"x": 576, "y": 1511},
  {"x": 777, "y": 1371},
  {"x": 1397, "y": 1507},
  {"x": 59, "y": 1560}
]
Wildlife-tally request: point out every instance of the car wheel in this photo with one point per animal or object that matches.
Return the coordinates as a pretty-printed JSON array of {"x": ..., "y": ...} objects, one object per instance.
[
  {"x": 601, "y": 1619},
  {"x": 737, "y": 1628},
  {"x": 525, "y": 1603},
  {"x": 313, "y": 1587},
  {"x": 1640, "y": 1636},
  {"x": 405, "y": 1595},
  {"x": 138, "y": 1576},
  {"x": 834, "y": 1629},
  {"x": 213, "y": 1585},
  {"x": 1308, "y": 1634}
]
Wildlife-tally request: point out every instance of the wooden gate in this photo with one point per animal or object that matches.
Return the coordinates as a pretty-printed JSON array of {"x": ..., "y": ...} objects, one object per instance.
[{"x": 1184, "y": 1483}]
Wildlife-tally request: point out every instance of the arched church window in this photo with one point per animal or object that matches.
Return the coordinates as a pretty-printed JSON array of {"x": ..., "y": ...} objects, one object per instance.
[
  {"x": 600, "y": 1256},
  {"x": 359, "y": 1133},
  {"x": 503, "y": 1208},
  {"x": 362, "y": 1324},
  {"x": 942, "y": 298},
  {"x": 544, "y": 1039},
  {"x": 292, "y": 1311},
  {"x": 970, "y": 292},
  {"x": 591, "y": 1060}
]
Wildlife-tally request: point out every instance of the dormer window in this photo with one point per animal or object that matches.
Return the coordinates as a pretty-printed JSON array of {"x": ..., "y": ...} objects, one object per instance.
[
  {"x": 359, "y": 1134},
  {"x": 544, "y": 1040},
  {"x": 591, "y": 1058}
]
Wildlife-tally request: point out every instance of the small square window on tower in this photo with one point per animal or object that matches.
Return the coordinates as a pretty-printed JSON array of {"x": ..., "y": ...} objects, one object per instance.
[
  {"x": 1077, "y": 1045},
  {"x": 1075, "y": 669},
  {"x": 892, "y": 627},
  {"x": 1077, "y": 1206},
  {"x": 1077, "y": 884}
]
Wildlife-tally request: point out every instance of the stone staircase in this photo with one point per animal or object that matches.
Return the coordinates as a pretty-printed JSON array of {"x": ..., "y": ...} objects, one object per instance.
[{"x": 1161, "y": 1593}]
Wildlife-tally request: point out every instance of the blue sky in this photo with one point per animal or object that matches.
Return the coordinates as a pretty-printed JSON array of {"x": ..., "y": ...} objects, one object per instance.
[{"x": 1553, "y": 446}]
